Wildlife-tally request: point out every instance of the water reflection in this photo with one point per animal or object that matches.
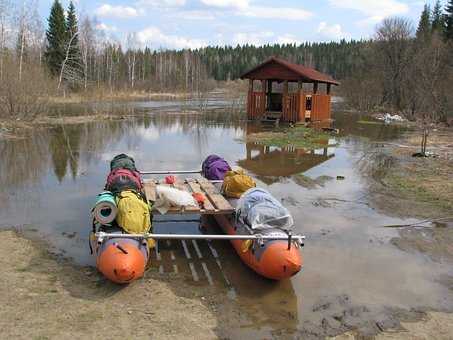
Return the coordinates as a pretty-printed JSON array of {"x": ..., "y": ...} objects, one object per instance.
[
  {"x": 48, "y": 182},
  {"x": 270, "y": 164}
]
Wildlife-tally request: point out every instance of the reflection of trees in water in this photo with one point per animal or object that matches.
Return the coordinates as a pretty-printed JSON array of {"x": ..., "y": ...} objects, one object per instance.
[
  {"x": 23, "y": 161},
  {"x": 196, "y": 126},
  {"x": 67, "y": 147}
]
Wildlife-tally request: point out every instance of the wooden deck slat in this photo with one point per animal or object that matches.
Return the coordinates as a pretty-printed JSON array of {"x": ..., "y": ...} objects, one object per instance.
[
  {"x": 150, "y": 190},
  {"x": 217, "y": 199},
  {"x": 195, "y": 187},
  {"x": 215, "y": 203},
  {"x": 180, "y": 185}
]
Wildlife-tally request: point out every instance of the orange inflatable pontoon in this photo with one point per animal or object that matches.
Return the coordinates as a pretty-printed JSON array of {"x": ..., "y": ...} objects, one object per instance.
[
  {"x": 272, "y": 259},
  {"x": 121, "y": 260}
]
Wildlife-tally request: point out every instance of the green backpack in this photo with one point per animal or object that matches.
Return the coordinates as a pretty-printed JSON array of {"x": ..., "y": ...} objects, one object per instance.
[{"x": 122, "y": 161}]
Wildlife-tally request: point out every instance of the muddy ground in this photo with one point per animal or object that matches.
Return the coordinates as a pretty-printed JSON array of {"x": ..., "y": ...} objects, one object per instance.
[{"x": 44, "y": 297}]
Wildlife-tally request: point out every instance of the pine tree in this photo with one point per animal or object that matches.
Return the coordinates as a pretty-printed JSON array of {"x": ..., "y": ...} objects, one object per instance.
[
  {"x": 449, "y": 21},
  {"x": 74, "y": 64},
  {"x": 56, "y": 38},
  {"x": 438, "y": 22},
  {"x": 424, "y": 25}
]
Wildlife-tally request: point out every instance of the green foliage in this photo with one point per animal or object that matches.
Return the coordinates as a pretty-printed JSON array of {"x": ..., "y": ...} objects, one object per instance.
[
  {"x": 449, "y": 21},
  {"x": 424, "y": 25},
  {"x": 338, "y": 59},
  {"x": 74, "y": 64},
  {"x": 56, "y": 38},
  {"x": 438, "y": 20}
]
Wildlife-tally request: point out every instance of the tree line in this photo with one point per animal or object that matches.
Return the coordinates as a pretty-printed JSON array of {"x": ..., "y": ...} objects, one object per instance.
[{"x": 401, "y": 68}]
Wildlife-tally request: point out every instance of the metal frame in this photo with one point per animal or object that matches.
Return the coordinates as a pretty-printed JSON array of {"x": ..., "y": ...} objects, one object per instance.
[
  {"x": 170, "y": 172},
  {"x": 101, "y": 236}
]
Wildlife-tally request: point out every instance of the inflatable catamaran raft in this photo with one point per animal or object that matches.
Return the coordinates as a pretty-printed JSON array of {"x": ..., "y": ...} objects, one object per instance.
[{"x": 256, "y": 224}]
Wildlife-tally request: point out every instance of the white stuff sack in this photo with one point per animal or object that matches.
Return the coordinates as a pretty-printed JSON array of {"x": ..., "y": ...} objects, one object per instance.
[
  {"x": 260, "y": 210},
  {"x": 171, "y": 197}
]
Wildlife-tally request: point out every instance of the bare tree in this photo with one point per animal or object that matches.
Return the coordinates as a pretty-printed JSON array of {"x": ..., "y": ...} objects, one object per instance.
[{"x": 393, "y": 39}]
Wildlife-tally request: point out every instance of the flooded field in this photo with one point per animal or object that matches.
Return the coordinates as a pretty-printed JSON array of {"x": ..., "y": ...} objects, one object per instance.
[{"x": 354, "y": 275}]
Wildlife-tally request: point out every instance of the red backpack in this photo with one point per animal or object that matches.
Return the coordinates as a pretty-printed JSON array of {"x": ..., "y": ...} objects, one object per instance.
[{"x": 124, "y": 179}]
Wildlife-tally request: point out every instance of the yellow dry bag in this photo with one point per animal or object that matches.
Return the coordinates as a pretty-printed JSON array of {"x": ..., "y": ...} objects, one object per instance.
[
  {"x": 236, "y": 183},
  {"x": 134, "y": 214}
]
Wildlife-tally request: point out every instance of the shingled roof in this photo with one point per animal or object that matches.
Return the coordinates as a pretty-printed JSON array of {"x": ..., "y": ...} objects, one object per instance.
[{"x": 279, "y": 69}]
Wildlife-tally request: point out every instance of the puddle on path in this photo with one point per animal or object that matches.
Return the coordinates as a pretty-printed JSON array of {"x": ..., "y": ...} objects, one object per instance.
[{"x": 352, "y": 274}]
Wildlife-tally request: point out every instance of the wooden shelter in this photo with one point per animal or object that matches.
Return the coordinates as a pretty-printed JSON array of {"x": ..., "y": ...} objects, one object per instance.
[{"x": 290, "y": 105}]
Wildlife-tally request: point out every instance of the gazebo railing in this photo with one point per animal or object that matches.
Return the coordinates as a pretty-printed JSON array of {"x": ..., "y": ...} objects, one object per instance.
[{"x": 256, "y": 105}]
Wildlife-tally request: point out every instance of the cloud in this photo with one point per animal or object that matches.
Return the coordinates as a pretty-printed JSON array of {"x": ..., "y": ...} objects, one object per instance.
[
  {"x": 257, "y": 39},
  {"x": 107, "y": 28},
  {"x": 197, "y": 15},
  {"x": 162, "y": 3},
  {"x": 244, "y": 8},
  {"x": 288, "y": 39},
  {"x": 286, "y": 13},
  {"x": 120, "y": 12},
  {"x": 374, "y": 10},
  {"x": 154, "y": 36},
  {"x": 332, "y": 32},
  {"x": 239, "y": 4}
]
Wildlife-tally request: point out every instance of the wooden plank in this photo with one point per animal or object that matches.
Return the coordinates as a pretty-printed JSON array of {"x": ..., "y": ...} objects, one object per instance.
[
  {"x": 180, "y": 185},
  {"x": 150, "y": 190},
  {"x": 174, "y": 210},
  {"x": 216, "y": 198},
  {"x": 195, "y": 187}
]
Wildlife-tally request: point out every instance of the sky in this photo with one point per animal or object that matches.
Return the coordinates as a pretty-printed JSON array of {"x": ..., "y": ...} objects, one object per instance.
[{"x": 197, "y": 23}]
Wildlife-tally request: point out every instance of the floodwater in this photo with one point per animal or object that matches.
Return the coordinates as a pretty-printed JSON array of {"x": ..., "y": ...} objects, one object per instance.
[{"x": 353, "y": 275}]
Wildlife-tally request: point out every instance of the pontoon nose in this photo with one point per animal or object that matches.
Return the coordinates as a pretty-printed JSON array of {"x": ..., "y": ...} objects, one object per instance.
[
  {"x": 121, "y": 263},
  {"x": 278, "y": 262}
]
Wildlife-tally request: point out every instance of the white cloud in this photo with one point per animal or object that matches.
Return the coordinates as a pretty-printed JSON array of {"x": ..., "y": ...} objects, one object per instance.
[
  {"x": 162, "y": 3},
  {"x": 121, "y": 12},
  {"x": 286, "y": 13},
  {"x": 239, "y": 4},
  {"x": 107, "y": 28},
  {"x": 154, "y": 36},
  {"x": 288, "y": 39},
  {"x": 243, "y": 8},
  {"x": 374, "y": 10},
  {"x": 256, "y": 39},
  {"x": 193, "y": 15},
  {"x": 332, "y": 32}
]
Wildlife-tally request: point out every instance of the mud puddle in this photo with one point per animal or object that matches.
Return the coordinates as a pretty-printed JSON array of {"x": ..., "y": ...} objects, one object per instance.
[{"x": 355, "y": 277}]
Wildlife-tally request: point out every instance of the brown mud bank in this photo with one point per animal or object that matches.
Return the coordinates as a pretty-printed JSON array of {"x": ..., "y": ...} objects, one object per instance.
[
  {"x": 412, "y": 186},
  {"x": 17, "y": 129},
  {"x": 43, "y": 297}
]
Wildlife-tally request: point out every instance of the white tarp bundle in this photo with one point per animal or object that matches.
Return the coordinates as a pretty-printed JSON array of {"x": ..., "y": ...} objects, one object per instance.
[
  {"x": 260, "y": 210},
  {"x": 171, "y": 197}
]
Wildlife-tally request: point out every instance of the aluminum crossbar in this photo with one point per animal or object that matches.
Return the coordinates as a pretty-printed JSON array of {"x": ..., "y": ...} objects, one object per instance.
[
  {"x": 170, "y": 172},
  {"x": 260, "y": 237}
]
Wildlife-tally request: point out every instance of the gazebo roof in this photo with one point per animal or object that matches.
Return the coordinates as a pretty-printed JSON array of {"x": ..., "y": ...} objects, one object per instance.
[{"x": 279, "y": 69}]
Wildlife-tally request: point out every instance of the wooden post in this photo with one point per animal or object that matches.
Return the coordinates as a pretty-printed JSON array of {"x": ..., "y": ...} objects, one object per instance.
[
  {"x": 269, "y": 94},
  {"x": 328, "y": 89},
  {"x": 250, "y": 101},
  {"x": 315, "y": 87},
  {"x": 284, "y": 100},
  {"x": 300, "y": 84}
]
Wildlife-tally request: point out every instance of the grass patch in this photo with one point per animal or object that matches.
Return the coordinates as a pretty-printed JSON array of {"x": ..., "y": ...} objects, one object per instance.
[
  {"x": 423, "y": 180},
  {"x": 300, "y": 137},
  {"x": 370, "y": 122}
]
